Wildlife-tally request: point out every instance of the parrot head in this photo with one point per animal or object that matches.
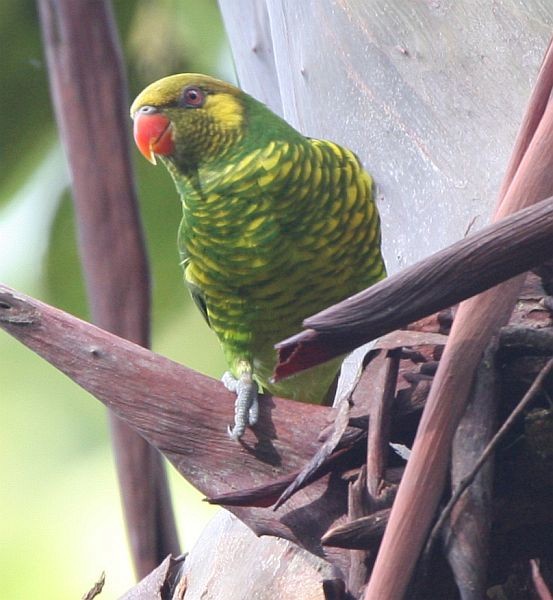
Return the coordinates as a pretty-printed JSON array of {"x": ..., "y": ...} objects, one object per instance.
[{"x": 188, "y": 118}]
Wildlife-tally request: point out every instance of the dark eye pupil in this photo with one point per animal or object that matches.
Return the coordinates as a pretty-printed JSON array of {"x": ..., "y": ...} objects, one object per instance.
[{"x": 193, "y": 97}]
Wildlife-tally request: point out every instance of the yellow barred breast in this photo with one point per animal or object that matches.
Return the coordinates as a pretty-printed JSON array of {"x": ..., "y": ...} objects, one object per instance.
[{"x": 274, "y": 240}]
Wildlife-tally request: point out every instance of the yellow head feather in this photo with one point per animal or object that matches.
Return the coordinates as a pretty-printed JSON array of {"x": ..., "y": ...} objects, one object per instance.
[{"x": 200, "y": 133}]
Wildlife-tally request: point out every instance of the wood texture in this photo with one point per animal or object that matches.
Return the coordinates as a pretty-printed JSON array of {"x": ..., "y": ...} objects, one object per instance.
[
  {"x": 185, "y": 415},
  {"x": 357, "y": 505},
  {"x": 229, "y": 561},
  {"x": 88, "y": 88},
  {"x": 467, "y": 535},
  {"x": 363, "y": 533},
  {"x": 249, "y": 31}
]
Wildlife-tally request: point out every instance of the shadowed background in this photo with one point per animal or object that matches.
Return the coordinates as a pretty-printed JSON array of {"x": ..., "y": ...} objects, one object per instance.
[{"x": 61, "y": 523}]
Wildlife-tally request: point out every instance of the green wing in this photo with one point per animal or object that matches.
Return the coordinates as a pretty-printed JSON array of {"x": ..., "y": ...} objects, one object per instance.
[
  {"x": 195, "y": 291},
  {"x": 199, "y": 299}
]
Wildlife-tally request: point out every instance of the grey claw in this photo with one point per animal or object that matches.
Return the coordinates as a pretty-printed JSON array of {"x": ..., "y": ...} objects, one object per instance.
[
  {"x": 253, "y": 413},
  {"x": 246, "y": 407},
  {"x": 235, "y": 433},
  {"x": 229, "y": 381}
]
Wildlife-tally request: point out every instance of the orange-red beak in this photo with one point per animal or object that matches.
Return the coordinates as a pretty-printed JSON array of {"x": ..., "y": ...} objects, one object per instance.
[{"x": 153, "y": 135}]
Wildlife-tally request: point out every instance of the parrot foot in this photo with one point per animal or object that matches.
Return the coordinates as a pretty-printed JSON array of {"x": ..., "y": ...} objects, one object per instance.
[{"x": 246, "y": 407}]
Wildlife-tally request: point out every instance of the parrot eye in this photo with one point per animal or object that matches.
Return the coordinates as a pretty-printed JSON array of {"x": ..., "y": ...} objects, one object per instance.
[
  {"x": 193, "y": 97},
  {"x": 147, "y": 110}
]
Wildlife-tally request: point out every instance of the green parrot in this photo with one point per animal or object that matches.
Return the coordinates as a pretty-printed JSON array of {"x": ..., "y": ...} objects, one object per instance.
[{"x": 276, "y": 226}]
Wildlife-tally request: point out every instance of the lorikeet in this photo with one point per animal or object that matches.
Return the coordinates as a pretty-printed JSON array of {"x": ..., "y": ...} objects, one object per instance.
[{"x": 276, "y": 226}]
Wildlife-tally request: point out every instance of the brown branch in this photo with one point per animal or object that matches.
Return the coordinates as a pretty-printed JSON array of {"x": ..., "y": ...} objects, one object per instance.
[
  {"x": 280, "y": 490},
  {"x": 88, "y": 89},
  {"x": 378, "y": 437},
  {"x": 540, "y": 585},
  {"x": 467, "y": 535},
  {"x": 476, "y": 322},
  {"x": 310, "y": 469},
  {"x": 535, "y": 109},
  {"x": 185, "y": 414},
  {"x": 96, "y": 589},
  {"x": 362, "y": 534},
  {"x": 496, "y": 253},
  {"x": 490, "y": 448},
  {"x": 357, "y": 506}
]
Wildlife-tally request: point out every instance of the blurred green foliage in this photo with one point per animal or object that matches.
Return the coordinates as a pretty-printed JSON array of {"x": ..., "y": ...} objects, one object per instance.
[{"x": 61, "y": 523}]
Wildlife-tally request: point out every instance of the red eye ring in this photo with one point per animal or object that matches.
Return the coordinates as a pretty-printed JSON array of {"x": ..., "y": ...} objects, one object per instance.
[{"x": 192, "y": 97}]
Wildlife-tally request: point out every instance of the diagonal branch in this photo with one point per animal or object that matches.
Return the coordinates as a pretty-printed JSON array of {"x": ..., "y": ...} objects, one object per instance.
[{"x": 185, "y": 414}]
